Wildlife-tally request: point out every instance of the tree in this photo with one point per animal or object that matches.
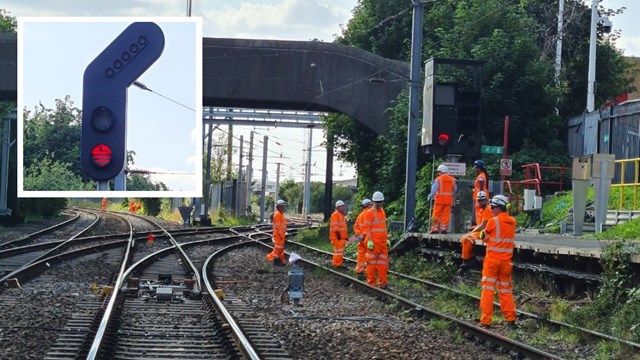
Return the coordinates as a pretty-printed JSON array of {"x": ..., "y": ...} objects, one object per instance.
[
  {"x": 8, "y": 23},
  {"x": 49, "y": 175},
  {"x": 513, "y": 39},
  {"x": 292, "y": 194},
  {"x": 53, "y": 132}
]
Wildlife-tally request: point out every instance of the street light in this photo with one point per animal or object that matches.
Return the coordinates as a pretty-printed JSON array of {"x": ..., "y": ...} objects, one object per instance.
[{"x": 606, "y": 27}]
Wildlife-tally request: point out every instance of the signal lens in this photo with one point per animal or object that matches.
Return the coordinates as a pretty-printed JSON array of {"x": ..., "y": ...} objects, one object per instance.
[
  {"x": 102, "y": 118},
  {"x": 443, "y": 139},
  {"x": 101, "y": 155}
]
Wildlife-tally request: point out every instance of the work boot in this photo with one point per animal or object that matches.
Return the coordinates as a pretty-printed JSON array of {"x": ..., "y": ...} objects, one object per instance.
[{"x": 277, "y": 262}]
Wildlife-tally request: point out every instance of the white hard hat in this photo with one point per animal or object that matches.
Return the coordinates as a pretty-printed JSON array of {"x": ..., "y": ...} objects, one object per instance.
[
  {"x": 443, "y": 168},
  {"x": 280, "y": 202},
  {"x": 377, "y": 196},
  {"x": 366, "y": 202},
  {"x": 339, "y": 203},
  {"x": 481, "y": 195},
  {"x": 294, "y": 257},
  {"x": 499, "y": 200}
]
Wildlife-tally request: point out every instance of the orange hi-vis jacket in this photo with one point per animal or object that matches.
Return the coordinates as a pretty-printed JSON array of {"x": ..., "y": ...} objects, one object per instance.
[
  {"x": 375, "y": 225},
  {"x": 338, "y": 226},
  {"x": 358, "y": 226},
  {"x": 500, "y": 236},
  {"x": 446, "y": 185},
  {"x": 476, "y": 186},
  {"x": 279, "y": 227}
]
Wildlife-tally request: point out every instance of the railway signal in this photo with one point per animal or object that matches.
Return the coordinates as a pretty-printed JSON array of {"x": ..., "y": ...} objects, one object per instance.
[{"x": 104, "y": 101}]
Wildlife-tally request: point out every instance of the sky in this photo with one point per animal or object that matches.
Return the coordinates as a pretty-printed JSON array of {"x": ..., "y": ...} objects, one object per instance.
[{"x": 266, "y": 19}]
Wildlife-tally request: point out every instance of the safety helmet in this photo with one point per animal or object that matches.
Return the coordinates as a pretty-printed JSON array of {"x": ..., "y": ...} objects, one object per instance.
[
  {"x": 479, "y": 164},
  {"x": 339, "y": 203},
  {"x": 280, "y": 202},
  {"x": 443, "y": 168},
  {"x": 366, "y": 202},
  {"x": 377, "y": 196},
  {"x": 481, "y": 195},
  {"x": 499, "y": 200}
]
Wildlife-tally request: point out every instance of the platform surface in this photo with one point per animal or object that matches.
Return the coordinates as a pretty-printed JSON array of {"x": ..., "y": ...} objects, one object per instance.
[{"x": 544, "y": 243}]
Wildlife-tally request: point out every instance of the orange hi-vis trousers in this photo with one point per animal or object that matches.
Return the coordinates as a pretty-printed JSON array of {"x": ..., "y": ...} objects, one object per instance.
[
  {"x": 468, "y": 240},
  {"x": 278, "y": 251},
  {"x": 496, "y": 275},
  {"x": 338, "y": 251},
  {"x": 361, "y": 262},
  {"x": 440, "y": 217},
  {"x": 377, "y": 263}
]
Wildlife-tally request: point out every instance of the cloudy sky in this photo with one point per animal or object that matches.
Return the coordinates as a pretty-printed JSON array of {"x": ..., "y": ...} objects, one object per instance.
[{"x": 269, "y": 19}]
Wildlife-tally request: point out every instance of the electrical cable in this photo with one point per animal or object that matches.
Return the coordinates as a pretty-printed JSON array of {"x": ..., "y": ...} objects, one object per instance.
[{"x": 144, "y": 87}]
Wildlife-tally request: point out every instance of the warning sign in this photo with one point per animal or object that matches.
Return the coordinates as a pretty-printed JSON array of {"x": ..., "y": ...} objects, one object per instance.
[
  {"x": 456, "y": 169},
  {"x": 505, "y": 167}
]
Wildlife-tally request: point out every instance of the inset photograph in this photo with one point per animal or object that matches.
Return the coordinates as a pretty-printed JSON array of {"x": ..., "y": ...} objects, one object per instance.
[{"x": 109, "y": 107}]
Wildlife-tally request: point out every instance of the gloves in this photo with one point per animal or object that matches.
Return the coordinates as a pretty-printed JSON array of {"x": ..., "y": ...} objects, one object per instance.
[
  {"x": 388, "y": 244},
  {"x": 482, "y": 235},
  {"x": 429, "y": 197},
  {"x": 370, "y": 244}
]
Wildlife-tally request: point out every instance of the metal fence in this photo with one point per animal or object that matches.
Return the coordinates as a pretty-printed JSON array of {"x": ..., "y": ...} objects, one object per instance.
[{"x": 615, "y": 130}]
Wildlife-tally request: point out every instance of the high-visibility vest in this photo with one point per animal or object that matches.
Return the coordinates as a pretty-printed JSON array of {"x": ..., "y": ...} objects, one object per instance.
[
  {"x": 338, "y": 225},
  {"x": 476, "y": 186},
  {"x": 375, "y": 225},
  {"x": 279, "y": 226},
  {"x": 501, "y": 234},
  {"x": 358, "y": 226},
  {"x": 444, "y": 195}
]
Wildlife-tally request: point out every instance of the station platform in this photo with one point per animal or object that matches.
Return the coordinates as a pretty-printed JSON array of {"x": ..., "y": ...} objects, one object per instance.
[{"x": 527, "y": 244}]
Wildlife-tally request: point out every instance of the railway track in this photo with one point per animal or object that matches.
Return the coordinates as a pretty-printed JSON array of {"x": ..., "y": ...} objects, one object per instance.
[
  {"x": 432, "y": 296},
  {"x": 208, "y": 293}
]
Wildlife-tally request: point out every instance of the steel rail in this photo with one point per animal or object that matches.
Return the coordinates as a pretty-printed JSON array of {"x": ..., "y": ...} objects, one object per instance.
[{"x": 245, "y": 345}]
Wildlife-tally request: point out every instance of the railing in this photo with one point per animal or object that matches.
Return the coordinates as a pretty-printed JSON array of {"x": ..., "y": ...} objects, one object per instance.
[
  {"x": 533, "y": 177},
  {"x": 621, "y": 167}
]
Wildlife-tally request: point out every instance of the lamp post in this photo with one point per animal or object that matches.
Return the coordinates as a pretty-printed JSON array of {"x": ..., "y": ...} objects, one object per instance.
[{"x": 606, "y": 27}]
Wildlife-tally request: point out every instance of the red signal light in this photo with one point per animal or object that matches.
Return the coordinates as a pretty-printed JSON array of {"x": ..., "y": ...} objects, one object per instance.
[
  {"x": 443, "y": 139},
  {"x": 101, "y": 155}
]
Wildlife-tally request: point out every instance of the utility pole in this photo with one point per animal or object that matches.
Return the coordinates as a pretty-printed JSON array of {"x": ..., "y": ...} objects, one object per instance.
[
  {"x": 414, "y": 108},
  {"x": 239, "y": 206},
  {"x": 264, "y": 178},
  {"x": 277, "y": 192},
  {"x": 592, "y": 56},
  {"x": 229, "y": 152},
  {"x": 207, "y": 183},
  {"x": 307, "y": 180},
  {"x": 558, "y": 64},
  {"x": 250, "y": 172}
]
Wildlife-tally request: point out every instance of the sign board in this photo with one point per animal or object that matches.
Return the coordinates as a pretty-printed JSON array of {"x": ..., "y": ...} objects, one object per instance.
[
  {"x": 456, "y": 169},
  {"x": 485, "y": 149},
  {"x": 505, "y": 167}
]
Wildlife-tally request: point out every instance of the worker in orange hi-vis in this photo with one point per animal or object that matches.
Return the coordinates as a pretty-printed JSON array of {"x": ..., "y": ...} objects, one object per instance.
[
  {"x": 468, "y": 240},
  {"x": 338, "y": 233},
  {"x": 480, "y": 184},
  {"x": 377, "y": 238},
  {"x": 442, "y": 193},
  {"x": 361, "y": 263},
  {"x": 138, "y": 207},
  {"x": 499, "y": 235},
  {"x": 279, "y": 233},
  {"x": 132, "y": 207},
  {"x": 104, "y": 204}
]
